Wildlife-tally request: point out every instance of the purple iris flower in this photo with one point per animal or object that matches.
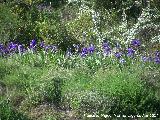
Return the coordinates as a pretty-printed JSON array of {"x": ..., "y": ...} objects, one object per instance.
[
  {"x": 106, "y": 51},
  {"x": 106, "y": 48},
  {"x": 91, "y": 48},
  {"x": 1, "y": 49},
  {"x": 135, "y": 42},
  {"x": 20, "y": 48},
  {"x": 6, "y": 51},
  {"x": 157, "y": 57},
  {"x": 84, "y": 52},
  {"x": 42, "y": 44},
  {"x": 12, "y": 46},
  {"x": 33, "y": 44},
  {"x": 118, "y": 54},
  {"x": 130, "y": 52},
  {"x": 144, "y": 58},
  {"x": 157, "y": 60},
  {"x": 105, "y": 45},
  {"x": 1, "y": 46},
  {"x": 157, "y": 53},
  {"x": 48, "y": 47}
]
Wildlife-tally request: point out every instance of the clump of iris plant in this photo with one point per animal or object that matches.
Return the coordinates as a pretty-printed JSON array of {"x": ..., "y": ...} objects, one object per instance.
[
  {"x": 33, "y": 44},
  {"x": 84, "y": 52},
  {"x": 91, "y": 48},
  {"x": 118, "y": 55},
  {"x": 157, "y": 60},
  {"x": 48, "y": 48},
  {"x": 157, "y": 57},
  {"x": 12, "y": 47},
  {"x": 106, "y": 48},
  {"x": 1, "y": 47},
  {"x": 21, "y": 48},
  {"x": 42, "y": 44},
  {"x": 144, "y": 58},
  {"x": 157, "y": 53},
  {"x": 135, "y": 42},
  {"x": 87, "y": 50},
  {"x": 130, "y": 52}
]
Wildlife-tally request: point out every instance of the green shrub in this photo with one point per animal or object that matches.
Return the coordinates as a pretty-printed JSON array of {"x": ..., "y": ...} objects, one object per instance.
[
  {"x": 53, "y": 31},
  {"x": 8, "y": 113},
  {"x": 111, "y": 92},
  {"x": 8, "y": 23},
  {"x": 52, "y": 92}
]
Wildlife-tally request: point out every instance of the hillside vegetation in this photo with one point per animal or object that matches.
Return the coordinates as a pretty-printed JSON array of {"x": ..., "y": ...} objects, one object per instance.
[{"x": 79, "y": 59}]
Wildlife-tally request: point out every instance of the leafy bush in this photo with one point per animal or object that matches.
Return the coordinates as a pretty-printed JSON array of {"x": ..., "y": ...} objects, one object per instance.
[
  {"x": 53, "y": 31},
  {"x": 52, "y": 92},
  {"x": 8, "y": 23},
  {"x": 8, "y": 113},
  {"x": 111, "y": 92},
  {"x": 80, "y": 26}
]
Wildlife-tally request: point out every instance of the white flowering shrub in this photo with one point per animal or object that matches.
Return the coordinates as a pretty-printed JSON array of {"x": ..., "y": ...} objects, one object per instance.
[{"x": 108, "y": 24}]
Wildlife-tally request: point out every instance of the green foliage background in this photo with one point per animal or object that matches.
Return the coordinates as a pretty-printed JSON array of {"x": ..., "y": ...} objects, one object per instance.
[{"x": 54, "y": 21}]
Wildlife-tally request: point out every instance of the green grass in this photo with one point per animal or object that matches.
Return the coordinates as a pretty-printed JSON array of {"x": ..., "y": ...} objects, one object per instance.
[{"x": 42, "y": 89}]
